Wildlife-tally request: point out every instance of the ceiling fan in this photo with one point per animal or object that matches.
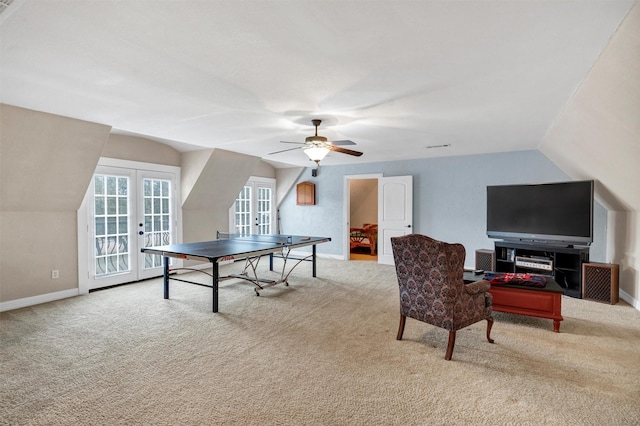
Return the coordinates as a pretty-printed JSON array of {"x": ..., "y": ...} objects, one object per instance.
[{"x": 317, "y": 147}]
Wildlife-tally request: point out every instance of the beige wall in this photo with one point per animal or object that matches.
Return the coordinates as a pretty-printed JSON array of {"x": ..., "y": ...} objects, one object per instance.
[
  {"x": 46, "y": 164},
  {"x": 211, "y": 181},
  {"x": 597, "y": 136},
  {"x": 135, "y": 148},
  {"x": 286, "y": 178}
]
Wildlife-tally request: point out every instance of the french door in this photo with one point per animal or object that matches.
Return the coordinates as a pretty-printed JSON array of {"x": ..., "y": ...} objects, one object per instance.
[
  {"x": 253, "y": 211},
  {"x": 126, "y": 209}
]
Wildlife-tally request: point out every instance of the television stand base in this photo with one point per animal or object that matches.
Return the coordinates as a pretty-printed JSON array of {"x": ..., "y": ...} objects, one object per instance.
[{"x": 564, "y": 264}]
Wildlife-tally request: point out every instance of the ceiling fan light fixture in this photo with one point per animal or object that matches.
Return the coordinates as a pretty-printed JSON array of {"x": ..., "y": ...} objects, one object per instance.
[
  {"x": 317, "y": 153},
  {"x": 316, "y": 139}
]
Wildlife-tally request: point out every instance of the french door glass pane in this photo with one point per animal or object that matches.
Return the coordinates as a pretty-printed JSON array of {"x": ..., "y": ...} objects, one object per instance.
[
  {"x": 157, "y": 218},
  {"x": 243, "y": 212},
  {"x": 253, "y": 210},
  {"x": 111, "y": 216}
]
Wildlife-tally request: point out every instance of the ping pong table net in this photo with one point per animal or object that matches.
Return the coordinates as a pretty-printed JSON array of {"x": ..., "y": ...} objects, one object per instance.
[
  {"x": 269, "y": 238},
  {"x": 227, "y": 235}
]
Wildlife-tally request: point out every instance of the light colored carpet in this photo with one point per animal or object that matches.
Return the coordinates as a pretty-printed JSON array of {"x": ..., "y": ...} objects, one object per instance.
[{"x": 321, "y": 351}]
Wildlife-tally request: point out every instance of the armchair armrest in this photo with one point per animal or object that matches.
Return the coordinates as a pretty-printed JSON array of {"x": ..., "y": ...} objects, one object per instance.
[{"x": 477, "y": 287}]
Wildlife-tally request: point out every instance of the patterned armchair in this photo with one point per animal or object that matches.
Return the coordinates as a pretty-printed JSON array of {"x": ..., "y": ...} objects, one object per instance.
[{"x": 432, "y": 289}]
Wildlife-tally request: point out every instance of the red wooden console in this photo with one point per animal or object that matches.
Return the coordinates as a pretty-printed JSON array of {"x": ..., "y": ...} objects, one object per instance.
[{"x": 536, "y": 302}]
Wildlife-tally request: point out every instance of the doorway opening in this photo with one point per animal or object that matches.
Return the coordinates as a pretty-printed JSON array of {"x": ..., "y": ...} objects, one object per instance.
[
  {"x": 393, "y": 216},
  {"x": 363, "y": 218}
]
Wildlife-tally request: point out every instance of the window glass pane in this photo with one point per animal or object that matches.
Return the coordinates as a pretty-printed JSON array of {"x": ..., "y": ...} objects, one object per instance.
[
  {"x": 98, "y": 188},
  {"x": 111, "y": 205},
  {"x": 112, "y": 245},
  {"x": 123, "y": 205},
  {"x": 111, "y": 225},
  {"x": 123, "y": 185},
  {"x": 111, "y": 185},
  {"x": 99, "y": 205},
  {"x": 112, "y": 265},
  {"x": 100, "y": 228},
  {"x": 100, "y": 246},
  {"x": 101, "y": 267},
  {"x": 124, "y": 262},
  {"x": 123, "y": 225}
]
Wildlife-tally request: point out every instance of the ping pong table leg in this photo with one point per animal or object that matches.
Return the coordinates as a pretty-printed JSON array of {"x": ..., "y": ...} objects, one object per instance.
[
  {"x": 215, "y": 285},
  {"x": 313, "y": 250},
  {"x": 166, "y": 276}
]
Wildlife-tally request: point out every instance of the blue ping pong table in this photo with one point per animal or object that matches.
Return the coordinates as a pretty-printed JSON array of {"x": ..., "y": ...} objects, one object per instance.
[{"x": 249, "y": 248}]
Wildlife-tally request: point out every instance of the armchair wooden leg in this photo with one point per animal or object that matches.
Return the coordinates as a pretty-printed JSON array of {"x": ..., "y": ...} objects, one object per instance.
[
  {"x": 489, "y": 325},
  {"x": 452, "y": 342},
  {"x": 401, "y": 327}
]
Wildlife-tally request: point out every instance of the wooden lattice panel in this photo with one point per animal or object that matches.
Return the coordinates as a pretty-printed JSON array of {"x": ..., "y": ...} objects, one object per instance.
[{"x": 600, "y": 282}]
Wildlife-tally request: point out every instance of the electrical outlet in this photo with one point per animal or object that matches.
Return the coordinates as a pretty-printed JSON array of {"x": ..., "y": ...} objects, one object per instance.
[{"x": 55, "y": 274}]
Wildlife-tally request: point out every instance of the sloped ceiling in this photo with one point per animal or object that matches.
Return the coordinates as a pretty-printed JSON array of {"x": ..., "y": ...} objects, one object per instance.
[
  {"x": 36, "y": 150},
  {"x": 393, "y": 76},
  {"x": 597, "y": 135}
]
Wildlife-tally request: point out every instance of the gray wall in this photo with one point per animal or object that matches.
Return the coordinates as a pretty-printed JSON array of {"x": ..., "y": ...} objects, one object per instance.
[{"x": 449, "y": 198}]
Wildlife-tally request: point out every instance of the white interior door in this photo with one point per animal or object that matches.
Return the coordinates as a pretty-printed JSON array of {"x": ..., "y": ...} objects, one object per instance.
[
  {"x": 124, "y": 210},
  {"x": 395, "y": 213}
]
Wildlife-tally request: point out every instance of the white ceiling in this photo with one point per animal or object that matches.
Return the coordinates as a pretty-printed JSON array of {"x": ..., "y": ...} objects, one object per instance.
[{"x": 393, "y": 76}]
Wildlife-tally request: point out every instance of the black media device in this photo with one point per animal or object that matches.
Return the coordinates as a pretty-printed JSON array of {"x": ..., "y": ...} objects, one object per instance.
[{"x": 547, "y": 213}]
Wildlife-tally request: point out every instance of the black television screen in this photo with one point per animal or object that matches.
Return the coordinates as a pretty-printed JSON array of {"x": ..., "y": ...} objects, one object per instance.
[{"x": 554, "y": 213}]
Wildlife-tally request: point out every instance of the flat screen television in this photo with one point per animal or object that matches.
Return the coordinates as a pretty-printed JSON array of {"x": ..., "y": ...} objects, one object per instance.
[{"x": 548, "y": 213}]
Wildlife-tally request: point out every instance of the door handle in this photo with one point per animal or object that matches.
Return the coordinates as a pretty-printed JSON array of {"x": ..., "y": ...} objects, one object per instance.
[
  {"x": 141, "y": 233},
  {"x": 408, "y": 226}
]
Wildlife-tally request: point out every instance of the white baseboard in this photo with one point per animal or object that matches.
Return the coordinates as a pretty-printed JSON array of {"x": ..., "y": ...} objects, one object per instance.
[
  {"x": 36, "y": 300},
  {"x": 330, "y": 256},
  {"x": 630, "y": 300}
]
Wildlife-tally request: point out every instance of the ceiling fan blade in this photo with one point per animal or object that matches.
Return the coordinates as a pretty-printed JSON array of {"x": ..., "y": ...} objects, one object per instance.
[
  {"x": 345, "y": 151},
  {"x": 284, "y": 150},
  {"x": 343, "y": 142},
  {"x": 299, "y": 143}
]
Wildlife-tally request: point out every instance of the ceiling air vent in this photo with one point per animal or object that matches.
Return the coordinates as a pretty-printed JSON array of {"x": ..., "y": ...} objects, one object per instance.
[
  {"x": 4, "y": 5},
  {"x": 446, "y": 145}
]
